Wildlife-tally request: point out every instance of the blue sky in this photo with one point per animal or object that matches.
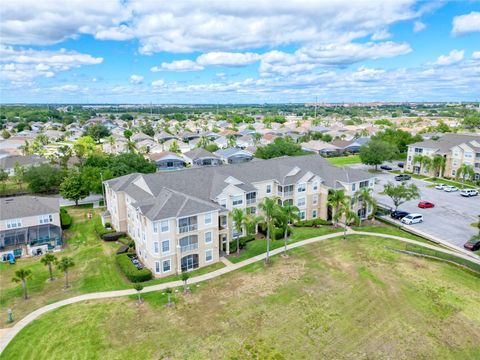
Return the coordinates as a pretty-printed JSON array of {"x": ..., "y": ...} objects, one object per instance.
[{"x": 239, "y": 52}]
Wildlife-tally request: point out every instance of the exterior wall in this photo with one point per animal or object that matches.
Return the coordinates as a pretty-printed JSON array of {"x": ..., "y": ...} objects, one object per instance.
[{"x": 32, "y": 221}]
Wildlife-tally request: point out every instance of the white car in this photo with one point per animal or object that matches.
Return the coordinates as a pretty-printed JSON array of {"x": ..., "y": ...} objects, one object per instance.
[
  {"x": 440, "y": 186},
  {"x": 469, "y": 192},
  {"x": 450, "y": 188},
  {"x": 412, "y": 219}
]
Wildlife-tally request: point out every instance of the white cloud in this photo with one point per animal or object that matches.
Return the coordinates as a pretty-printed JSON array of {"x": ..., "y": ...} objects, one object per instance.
[
  {"x": 227, "y": 59},
  {"x": 66, "y": 88},
  {"x": 178, "y": 65},
  {"x": 418, "y": 26},
  {"x": 158, "y": 83},
  {"x": 136, "y": 79},
  {"x": 381, "y": 34},
  {"x": 467, "y": 23},
  {"x": 476, "y": 55},
  {"x": 453, "y": 57}
]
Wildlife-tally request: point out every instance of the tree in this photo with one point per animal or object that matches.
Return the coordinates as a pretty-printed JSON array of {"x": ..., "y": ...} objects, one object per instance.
[
  {"x": 64, "y": 265},
  {"x": 400, "y": 193},
  {"x": 139, "y": 288},
  {"x": 438, "y": 165},
  {"x": 43, "y": 178},
  {"x": 6, "y": 134},
  {"x": 128, "y": 134},
  {"x": 185, "y": 276},
  {"x": 84, "y": 147},
  {"x": 465, "y": 172},
  {"x": 72, "y": 187},
  {"x": 346, "y": 212},
  {"x": 269, "y": 210},
  {"x": 3, "y": 177},
  {"x": 280, "y": 147},
  {"x": 424, "y": 161},
  {"x": 131, "y": 146},
  {"x": 203, "y": 142},
  {"x": 147, "y": 129},
  {"x": 22, "y": 275},
  {"x": 126, "y": 117},
  {"x": 65, "y": 153},
  {"x": 335, "y": 200},
  {"x": 472, "y": 120},
  {"x": 238, "y": 217},
  {"x": 174, "y": 147},
  {"x": 19, "y": 173},
  {"x": 47, "y": 260},
  {"x": 375, "y": 152},
  {"x": 400, "y": 139},
  {"x": 169, "y": 291},
  {"x": 288, "y": 214},
  {"x": 231, "y": 141},
  {"x": 365, "y": 195}
]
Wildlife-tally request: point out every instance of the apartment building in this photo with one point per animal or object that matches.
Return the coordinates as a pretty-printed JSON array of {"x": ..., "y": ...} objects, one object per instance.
[
  {"x": 180, "y": 220},
  {"x": 29, "y": 225},
  {"x": 457, "y": 149}
]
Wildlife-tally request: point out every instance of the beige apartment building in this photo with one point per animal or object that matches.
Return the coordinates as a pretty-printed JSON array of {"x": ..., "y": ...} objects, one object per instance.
[
  {"x": 457, "y": 149},
  {"x": 180, "y": 219}
]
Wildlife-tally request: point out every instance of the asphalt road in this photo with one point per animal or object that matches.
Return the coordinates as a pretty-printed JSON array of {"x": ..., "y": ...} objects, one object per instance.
[{"x": 451, "y": 217}]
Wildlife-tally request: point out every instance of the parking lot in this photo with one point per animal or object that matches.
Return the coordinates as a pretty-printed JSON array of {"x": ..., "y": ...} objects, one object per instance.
[{"x": 449, "y": 220}]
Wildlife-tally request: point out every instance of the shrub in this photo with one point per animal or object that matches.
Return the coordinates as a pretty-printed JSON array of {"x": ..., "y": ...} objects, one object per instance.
[
  {"x": 100, "y": 229},
  {"x": 114, "y": 236},
  {"x": 311, "y": 223},
  {"x": 108, "y": 225},
  {"x": 277, "y": 233},
  {"x": 131, "y": 271},
  {"x": 65, "y": 219}
]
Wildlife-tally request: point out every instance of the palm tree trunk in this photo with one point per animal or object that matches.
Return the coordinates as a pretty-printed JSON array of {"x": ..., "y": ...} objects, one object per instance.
[
  {"x": 268, "y": 245},
  {"x": 238, "y": 245},
  {"x": 50, "y": 271},
  {"x": 25, "y": 292},
  {"x": 285, "y": 238},
  {"x": 345, "y": 231},
  {"x": 169, "y": 300},
  {"x": 66, "y": 279}
]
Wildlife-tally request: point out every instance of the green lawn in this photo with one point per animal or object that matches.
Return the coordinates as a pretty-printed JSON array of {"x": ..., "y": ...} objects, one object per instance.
[
  {"x": 259, "y": 246},
  {"x": 337, "y": 299},
  {"x": 458, "y": 184},
  {"x": 391, "y": 230},
  {"x": 344, "y": 160}
]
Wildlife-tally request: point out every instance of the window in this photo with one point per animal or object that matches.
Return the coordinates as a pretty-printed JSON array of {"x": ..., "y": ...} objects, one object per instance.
[
  {"x": 269, "y": 189},
  {"x": 155, "y": 227},
  {"x": 208, "y": 255},
  {"x": 237, "y": 200},
  {"x": 315, "y": 199},
  {"x": 302, "y": 187},
  {"x": 155, "y": 247},
  {"x": 363, "y": 184},
  {"x": 165, "y": 246},
  {"x": 315, "y": 186},
  {"x": 164, "y": 226},
  {"x": 166, "y": 266},
  {"x": 157, "y": 267},
  {"x": 13, "y": 223},
  {"x": 353, "y": 187},
  {"x": 208, "y": 218},
  {"x": 208, "y": 237},
  {"x": 302, "y": 215},
  {"x": 223, "y": 202},
  {"x": 301, "y": 201},
  {"x": 251, "y": 210},
  {"x": 45, "y": 219},
  {"x": 314, "y": 214}
]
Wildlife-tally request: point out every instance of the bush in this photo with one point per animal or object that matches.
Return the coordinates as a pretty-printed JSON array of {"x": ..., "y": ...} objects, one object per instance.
[
  {"x": 311, "y": 223},
  {"x": 100, "y": 229},
  {"x": 131, "y": 271},
  {"x": 65, "y": 219},
  {"x": 114, "y": 236},
  {"x": 108, "y": 225},
  {"x": 278, "y": 233}
]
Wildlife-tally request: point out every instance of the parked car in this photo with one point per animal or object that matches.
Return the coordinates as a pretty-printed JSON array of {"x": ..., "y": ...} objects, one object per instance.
[
  {"x": 401, "y": 165},
  {"x": 398, "y": 214},
  {"x": 385, "y": 167},
  {"x": 412, "y": 219},
  {"x": 472, "y": 244},
  {"x": 440, "y": 186},
  {"x": 402, "y": 177},
  {"x": 425, "y": 204},
  {"x": 450, "y": 188},
  {"x": 469, "y": 192}
]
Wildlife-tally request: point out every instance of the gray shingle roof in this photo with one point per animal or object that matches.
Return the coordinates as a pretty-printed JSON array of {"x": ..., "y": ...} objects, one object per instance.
[
  {"x": 199, "y": 153},
  {"x": 23, "y": 206},
  {"x": 10, "y": 161},
  {"x": 446, "y": 142}
]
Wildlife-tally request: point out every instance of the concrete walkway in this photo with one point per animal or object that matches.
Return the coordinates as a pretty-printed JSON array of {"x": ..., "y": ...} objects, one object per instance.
[{"x": 13, "y": 331}]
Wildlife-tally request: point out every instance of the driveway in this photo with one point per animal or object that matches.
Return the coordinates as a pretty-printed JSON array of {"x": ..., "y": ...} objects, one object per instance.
[{"x": 449, "y": 220}]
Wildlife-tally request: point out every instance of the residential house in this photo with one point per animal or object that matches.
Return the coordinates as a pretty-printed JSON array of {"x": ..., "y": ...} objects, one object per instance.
[
  {"x": 202, "y": 157},
  {"x": 8, "y": 162},
  {"x": 29, "y": 225},
  {"x": 167, "y": 160},
  {"x": 234, "y": 155},
  {"x": 350, "y": 146},
  {"x": 321, "y": 147}
]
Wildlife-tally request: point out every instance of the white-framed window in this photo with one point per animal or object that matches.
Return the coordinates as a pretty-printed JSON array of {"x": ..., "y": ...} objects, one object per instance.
[
  {"x": 208, "y": 237},
  {"x": 223, "y": 203},
  {"x": 269, "y": 189},
  {"x": 302, "y": 215},
  {"x": 155, "y": 227},
  {"x": 208, "y": 218},
  {"x": 301, "y": 201},
  {"x": 166, "y": 246},
  {"x": 13, "y": 223},
  {"x": 45, "y": 219},
  {"x": 314, "y": 214},
  {"x": 157, "y": 267},
  {"x": 237, "y": 200},
  {"x": 208, "y": 255},
  {"x": 314, "y": 199},
  {"x": 164, "y": 226},
  {"x": 302, "y": 187},
  {"x": 353, "y": 187},
  {"x": 166, "y": 265},
  {"x": 155, "y": 247},
  {"x": 315, "y": 186}
]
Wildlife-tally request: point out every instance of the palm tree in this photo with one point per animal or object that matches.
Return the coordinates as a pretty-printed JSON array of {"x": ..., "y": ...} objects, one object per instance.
[
  {"x": 335, "y": 199},
  {"x": 48, "y": 260},
  {"x": 238, "y": 217},
  {"x": 438, "y": 165},
  {"x": 465, "y": 172},
  {"x": 256, "y": 138},
  {"x": 251, "y": 221},
  {"x": 366, "y": 197},
  {"x": 346, "y": 212},
  {"x": 131, "y": 146},
  {"x": 231, "y": 141},
  {"x": 63, "y": 265},
  {"x": 424, "y": 161},
  {"x": 269, "y": 209},
  {"x": 203, "y": 142},
  {"x": 288, "y": 214},
  {"x": 22, "y": 275}
]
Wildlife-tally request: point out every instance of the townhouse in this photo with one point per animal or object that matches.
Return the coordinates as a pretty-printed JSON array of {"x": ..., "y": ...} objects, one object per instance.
[
  {"x": 457, "y": 149},
  {"x": 29, "y": 225},
  {"x": 180, "y": 220}
]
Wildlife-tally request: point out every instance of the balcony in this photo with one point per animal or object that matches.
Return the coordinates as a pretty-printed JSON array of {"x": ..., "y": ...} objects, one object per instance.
[
  {"x": 251, "y": 201},
  {"x": 189, "y": 247},
  {"x": 288, "y": 194},
  {"x": 187, "y": 228},
  {"x": 187, "y": 224}
]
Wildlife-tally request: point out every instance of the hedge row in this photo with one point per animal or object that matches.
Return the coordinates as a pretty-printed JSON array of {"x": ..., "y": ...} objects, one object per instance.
[
  {"x": 65, "y": 219},
  {"x": 131, "y": 271},
  {"x": 100, "y": 229},
  {"x": 113, "y": 236},
  {"x": 243, "y": 242},
  {"x": 278, "y": 233},
  {"x": 311, "y": 223}
]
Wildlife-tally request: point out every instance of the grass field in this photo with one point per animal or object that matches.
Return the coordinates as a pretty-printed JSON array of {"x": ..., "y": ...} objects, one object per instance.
[
  {"x": 344, "y": 160},
  {"x": 336, "y": 299}
]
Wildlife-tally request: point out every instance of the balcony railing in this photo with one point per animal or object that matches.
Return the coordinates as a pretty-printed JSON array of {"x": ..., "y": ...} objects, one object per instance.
[
  {"x": 187, "y": 228},
  {"x": 288, "y": 193},
  {"x": 251, "y": 201},
  {"x": 190, "y": 247}
]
